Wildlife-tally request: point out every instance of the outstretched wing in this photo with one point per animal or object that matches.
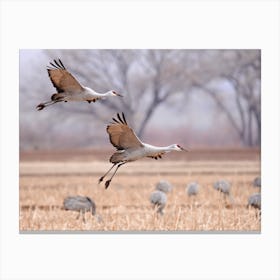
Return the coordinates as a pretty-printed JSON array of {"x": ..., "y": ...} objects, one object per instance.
[
  {"x": 61, "y": 79},
  {"x": 121, "y": 135}
]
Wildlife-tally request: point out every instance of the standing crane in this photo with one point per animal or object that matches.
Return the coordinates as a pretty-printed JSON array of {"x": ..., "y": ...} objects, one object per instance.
[
  {"x": 81, "y": 204},
  {"x": 224, "y": 187},
  {"x": 164, "y": 186},
  {"x": 158, "y": 199},
  {"x": 68, "y": 88},
  {"x": 192, "y": 188},
  {"x": 257, "y": 182},
  {"x": 129, "y": 146},
  {"x": 255, "y": 201}
]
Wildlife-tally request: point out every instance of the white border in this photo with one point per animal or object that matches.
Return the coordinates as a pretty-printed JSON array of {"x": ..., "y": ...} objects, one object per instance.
[{"x": 156, "y": 24}]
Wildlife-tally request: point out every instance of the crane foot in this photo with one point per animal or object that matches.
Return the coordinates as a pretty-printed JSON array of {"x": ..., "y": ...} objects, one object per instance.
[{"x": 107, "y": 184}]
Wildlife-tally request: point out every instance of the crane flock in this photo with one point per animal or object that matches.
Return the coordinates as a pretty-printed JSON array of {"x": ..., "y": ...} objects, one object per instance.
[
  {"x": 128, "y": 146},
  {"x": 122, "y": 137}
]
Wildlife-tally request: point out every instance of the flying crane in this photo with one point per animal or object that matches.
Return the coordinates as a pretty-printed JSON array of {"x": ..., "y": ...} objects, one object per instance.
[
  {"x": 130, "y": 147},
  {"x": 68, "y": 88}
]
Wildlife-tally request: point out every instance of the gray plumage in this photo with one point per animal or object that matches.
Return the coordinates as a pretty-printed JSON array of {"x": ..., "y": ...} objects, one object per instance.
[
  {"x": 255, "y": 200},
  {"x": 80, "y": 204},
  {"x": 158, "y": 199},
  {"x": 192, "y": 188},
  {"x": 257, "y": 182},
  {"x": 224, "y": 187},
  {"x": 164, "y": 186}
]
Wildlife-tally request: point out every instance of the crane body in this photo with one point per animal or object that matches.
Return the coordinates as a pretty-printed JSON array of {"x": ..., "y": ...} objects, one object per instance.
[
  {"x": 158, "y": 199},
  {"x": 130, "y": 147},
  {"x": 146, "y": 150}
]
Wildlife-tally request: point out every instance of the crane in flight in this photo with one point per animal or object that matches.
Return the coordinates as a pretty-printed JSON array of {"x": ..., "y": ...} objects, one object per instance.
[
  {"x": 68, "y": 88},
  {"x": 129, "y": 146}
]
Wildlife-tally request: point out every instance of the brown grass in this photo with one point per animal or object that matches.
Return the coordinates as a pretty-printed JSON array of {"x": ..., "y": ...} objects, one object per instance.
[{"x": 125, "y": 205}]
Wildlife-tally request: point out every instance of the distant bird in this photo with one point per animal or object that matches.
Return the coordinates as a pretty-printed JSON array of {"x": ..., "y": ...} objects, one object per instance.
[
  {"x": 257, "y": 182},
  {"x": 164, "y": 186},
  {"x": 129, "y": 147},
  {"x": 68, "y": 88},
  {"x": 158, "y": 199},
  {"x": 224, "y": 187},
  {"x": 255, "y": 201},
  {"x": 192, "y": 188},
  {"x": 81, "y": 204}
]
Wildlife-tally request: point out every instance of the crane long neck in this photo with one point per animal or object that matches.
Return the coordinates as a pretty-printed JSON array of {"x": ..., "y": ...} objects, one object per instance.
[
  {"x": 107, "y": 93},
  {"x": 162, "y": 149},
  {"x": 167, "y": 148},
  {"x": 101, "y": 94},
  {"x": 170, "y": 148}
]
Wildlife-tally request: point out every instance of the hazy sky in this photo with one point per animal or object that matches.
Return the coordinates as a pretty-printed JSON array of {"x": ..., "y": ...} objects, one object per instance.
[{"x": 197, "y": 114}]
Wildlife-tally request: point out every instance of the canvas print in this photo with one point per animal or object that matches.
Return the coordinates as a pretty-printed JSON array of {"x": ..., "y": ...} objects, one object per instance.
[{"x": 139, "y": 140}]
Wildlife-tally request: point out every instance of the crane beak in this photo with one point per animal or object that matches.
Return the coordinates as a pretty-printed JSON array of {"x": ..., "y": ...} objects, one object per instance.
[
  {"x": 118, "y": 94},
  {"x": 185, "y": 150}
]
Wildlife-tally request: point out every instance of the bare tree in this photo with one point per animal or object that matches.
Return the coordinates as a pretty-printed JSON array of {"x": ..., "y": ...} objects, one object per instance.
[
  {"x": 246, "y": 81},
  {"x": 241, "y": 69},
  {"x": 145, "y": 77},
  {"x": 149, "y": 80}
]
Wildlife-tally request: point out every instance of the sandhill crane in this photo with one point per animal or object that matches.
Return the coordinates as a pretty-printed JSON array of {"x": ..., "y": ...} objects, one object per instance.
[
  {"x": 192, "y": 188},
  {"x": 164, "y": 186},
  {"x": 255, "y": 201},
  {"x": 158, "y": 199},
  {"x": 68, "y": 88},
  {"x": 257, "y": 182},
  {"x": 224, "y": 187},
  {"x": 129, "y": 146},
  {"x": 81, "y": 204}
]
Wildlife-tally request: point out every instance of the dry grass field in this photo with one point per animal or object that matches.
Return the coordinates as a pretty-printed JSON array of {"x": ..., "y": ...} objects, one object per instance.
[{"x": 45, "y": 180}]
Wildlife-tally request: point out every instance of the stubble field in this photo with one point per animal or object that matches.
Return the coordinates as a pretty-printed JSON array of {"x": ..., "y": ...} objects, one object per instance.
[{"x": 46, "y": 180}]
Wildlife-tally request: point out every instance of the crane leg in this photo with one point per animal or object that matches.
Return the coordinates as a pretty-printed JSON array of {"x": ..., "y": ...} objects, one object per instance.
[
  {"x": 79, "y": 214},
  {"x": 159, "y": 210},
  {"x": 41, "y": 106},
  {"x": 107, "y": 183},
  {"x": 101, "y": 178}
]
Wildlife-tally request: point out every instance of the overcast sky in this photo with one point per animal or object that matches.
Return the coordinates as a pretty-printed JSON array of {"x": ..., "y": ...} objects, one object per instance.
[{"x": 198, "y": 114}]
